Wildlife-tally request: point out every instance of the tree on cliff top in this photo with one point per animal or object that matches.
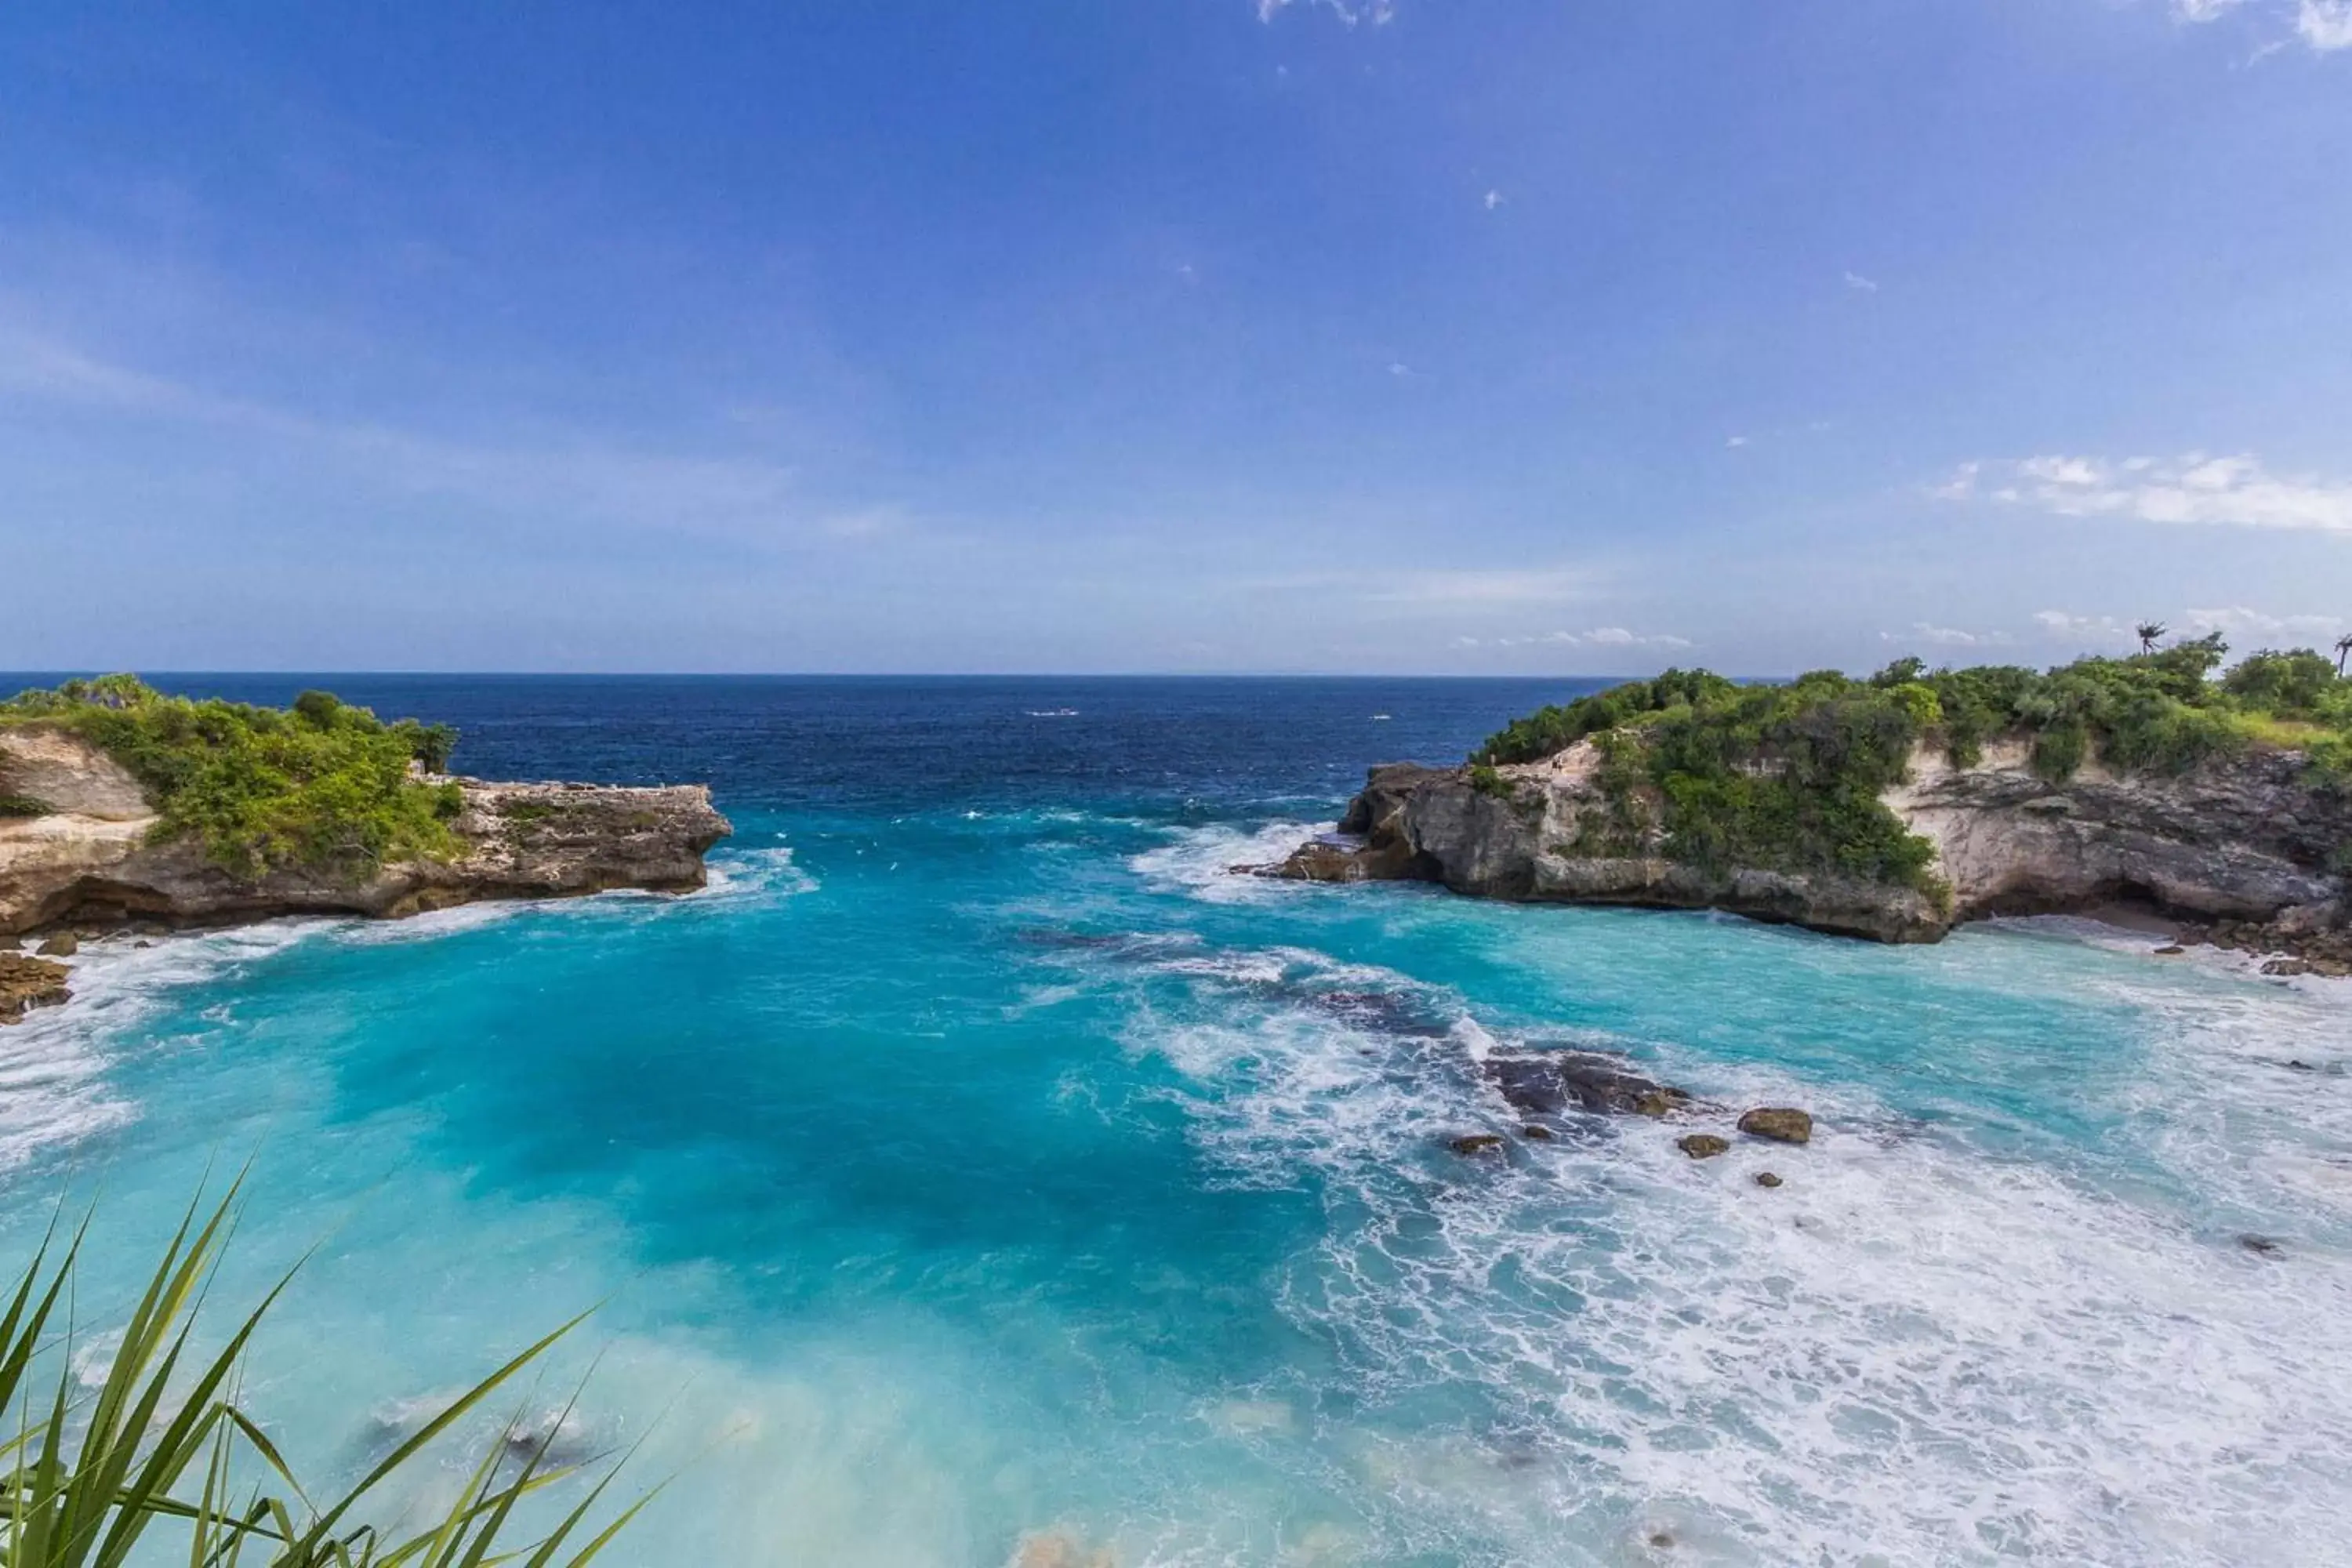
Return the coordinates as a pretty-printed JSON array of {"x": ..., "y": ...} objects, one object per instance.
[{"x": 324, "y": 787}]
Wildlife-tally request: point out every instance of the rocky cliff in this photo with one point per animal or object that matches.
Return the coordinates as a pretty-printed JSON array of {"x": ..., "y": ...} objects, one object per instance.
[
  {"x": 2243, "y": 838},
  {"x": 88, "y": 858}
]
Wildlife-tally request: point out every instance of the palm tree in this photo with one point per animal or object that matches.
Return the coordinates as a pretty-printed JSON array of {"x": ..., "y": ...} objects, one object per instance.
[
  {"x": 2148, "y": 632},
  {"x": 2343, "y": 646}
]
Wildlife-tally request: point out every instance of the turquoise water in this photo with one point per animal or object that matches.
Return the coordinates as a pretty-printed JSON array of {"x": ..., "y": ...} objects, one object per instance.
[{"x": 978, "y": 1172}]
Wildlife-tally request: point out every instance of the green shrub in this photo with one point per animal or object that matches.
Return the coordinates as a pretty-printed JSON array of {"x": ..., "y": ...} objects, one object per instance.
[
  {"x": 1790, "y": 776},
  {"x": 100, "y": 1476},
  {"x": 23, "y": 805},
  {"x": 325, "y": 787}
]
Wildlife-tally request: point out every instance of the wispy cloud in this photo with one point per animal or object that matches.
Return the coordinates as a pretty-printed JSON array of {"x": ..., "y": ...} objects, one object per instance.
[
  {"x": 1860, "y": 284},
  {"x": 2237, "y": 623},
  {"x": 563, "y": 481},
  {"x": 1376, "y": 12},
  {"x": 2237, "y": 491},
  {"x": 2323, "y": 26},
  {"x": 2066, "y": 624},
  {"x": 1493, "y": 199},
  {"x": 1440, "y": 590},
  {"x": 1933, "y": 636},
  {"x": 1599, "y": 637}
]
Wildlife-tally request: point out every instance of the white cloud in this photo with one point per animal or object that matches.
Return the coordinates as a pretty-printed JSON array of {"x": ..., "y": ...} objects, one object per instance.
[
  {"x": 1493, "y": 199},
  {"x": 2325, "y": 25},
  {"x": 2204, "y": 10},
  {"x": 1737, "y": 441},
  {"x": 1856, "y": 281},
  {"x": 2237, "y": 491}
]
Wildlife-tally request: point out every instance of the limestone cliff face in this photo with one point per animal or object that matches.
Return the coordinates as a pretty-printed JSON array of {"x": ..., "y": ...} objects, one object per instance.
[
  {"x": 88, "y": 858},
  {"x": 2240, "y": 838}
]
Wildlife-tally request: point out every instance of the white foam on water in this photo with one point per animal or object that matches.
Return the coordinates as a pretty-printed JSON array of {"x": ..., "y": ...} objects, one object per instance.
[
  {"x": 1915, "y": 1350},
  {"x": 764, "y": 875},
  {"x": 54, "y": 1064},
  {"x": 1199, "y": 862}
]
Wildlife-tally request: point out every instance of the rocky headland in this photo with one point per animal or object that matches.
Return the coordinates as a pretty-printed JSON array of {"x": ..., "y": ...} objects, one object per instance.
[
  {"x": 2245, "y": 844},
  {"x": 86, "y": 856},
  {"x": 2234, "y": 842}
]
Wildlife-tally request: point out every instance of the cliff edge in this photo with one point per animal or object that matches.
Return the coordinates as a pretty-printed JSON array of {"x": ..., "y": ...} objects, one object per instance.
[
  {"x": 81, "y": 848},
  {"x": 2242, "y": 837}
]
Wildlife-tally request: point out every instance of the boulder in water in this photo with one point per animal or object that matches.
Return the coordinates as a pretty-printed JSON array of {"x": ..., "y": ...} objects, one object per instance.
[
  {"x": 29, "y": 982},
  {"x": 1535, "y": 1130},
  {"x": 1781, "y": 1124},
  {"x": 1477, "y": 1143},
  {"x": 1767, "y": 1179},
  {"x": 1703, "y": 1145},
  {"x": 1547, "y": 1083},
  {"x": 64, "y": 944}
]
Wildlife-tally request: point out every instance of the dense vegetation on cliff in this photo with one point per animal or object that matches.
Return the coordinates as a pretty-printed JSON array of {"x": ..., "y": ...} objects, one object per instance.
[
  {"x": 1788, "y": 776},
  {"x": 323, "y": 785}
]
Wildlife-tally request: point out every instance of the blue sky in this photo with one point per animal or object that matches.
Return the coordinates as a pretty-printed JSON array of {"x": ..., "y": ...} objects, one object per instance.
[{"x": 1452, "y": 336}]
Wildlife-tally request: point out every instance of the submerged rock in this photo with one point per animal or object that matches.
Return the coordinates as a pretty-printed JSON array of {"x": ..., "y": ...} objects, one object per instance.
[
  {"x": 1703, "y": 1145},
  {"x": 2261, "y": 1246},
  {"x": 1060, "y": 1549},
  {"x": 1767, "y": 1179},
  {"x": 2171, "y": 950},
  {"x": 29, "y": 982},
  {"x": 1781, "y": 1124},
  {"x": 1537, "y": 1132},
  {"x": 1477, "y": 1143}
]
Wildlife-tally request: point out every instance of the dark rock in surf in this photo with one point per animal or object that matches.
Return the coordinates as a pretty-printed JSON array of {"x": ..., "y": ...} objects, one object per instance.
[
  {"x": 1477, "y": 1143},
  {"x": 1781, "y": 1124},
  {"x": 1703, "y": 1145},
  {"x": 1551, "y": 1083},
  {"x": 1767, "y": 1179},
  {"x": 2261, "y": 1246},
  {"x": 1537, "y": 1132},
  {"x": 65, "y": 944}
]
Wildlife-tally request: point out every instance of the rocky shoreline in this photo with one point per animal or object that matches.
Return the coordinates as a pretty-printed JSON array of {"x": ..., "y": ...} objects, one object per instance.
[
  {"x": 2240, "y": 851},
  {"x": 90, "y": 864}
]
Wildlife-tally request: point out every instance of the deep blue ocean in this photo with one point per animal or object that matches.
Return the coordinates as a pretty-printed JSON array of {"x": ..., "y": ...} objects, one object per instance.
[{"x": 978, "y": 1172}]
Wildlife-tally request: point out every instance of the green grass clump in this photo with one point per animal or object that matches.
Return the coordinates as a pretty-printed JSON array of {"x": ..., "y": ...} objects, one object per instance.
[
  {"x": 323, "y": 785},
  {"x": 1788, "y": 777},
  {"x": 162, "y": 1447}
]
